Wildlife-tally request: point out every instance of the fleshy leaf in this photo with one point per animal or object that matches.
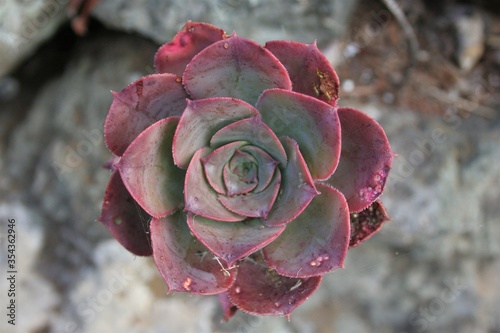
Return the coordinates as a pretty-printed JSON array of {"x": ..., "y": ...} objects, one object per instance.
[
  {"x": 199, "y": 197},
  {"x": 188, "y": 42},
  {"x": 214, "y": 163},
  {"x": 234, "y": 67},
  {"x": 260, "y": 290},
  {"x": 365, "y": 159},
  {"x": 313, "y": 124},
  {"x": 266, "y": 166},
  {"x": 297, "y": 187},
  {"x": 185, "y": 263},
  {"x": 140, "y": 105},
  {"x": 256, "y": 132},
  {"x": 240, "y": 174},
  {"x": 148, "y": 171},
  {"x": 316, "y": 242},
  {"x": 367, "y": 223},
  {"x": 254, "y": 204},
  {"x": 232, "y": 241},
  {"x": 228, "y": 308},
  {"x": 125, "y": 219},
  {"x": 311, "y": 73},
  {"x": 204, "y": 118}
]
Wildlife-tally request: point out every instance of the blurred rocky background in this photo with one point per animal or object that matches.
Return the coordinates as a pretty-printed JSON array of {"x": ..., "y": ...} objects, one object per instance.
[{"x": 428, "y": 71}]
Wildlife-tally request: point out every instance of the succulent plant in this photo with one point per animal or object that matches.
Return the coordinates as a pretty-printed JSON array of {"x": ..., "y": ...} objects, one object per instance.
[{"x": 238, "y": 172}]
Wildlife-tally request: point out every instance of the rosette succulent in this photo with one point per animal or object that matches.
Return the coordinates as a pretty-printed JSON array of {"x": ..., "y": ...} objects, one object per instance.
[{"x": 238, "y": 172}]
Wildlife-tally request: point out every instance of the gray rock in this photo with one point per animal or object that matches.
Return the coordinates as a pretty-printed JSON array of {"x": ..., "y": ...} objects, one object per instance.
[
  {"x": 259, "y": 20},
  {"x": 24, "y": 25},
  {"x": 36, "y": 298}
]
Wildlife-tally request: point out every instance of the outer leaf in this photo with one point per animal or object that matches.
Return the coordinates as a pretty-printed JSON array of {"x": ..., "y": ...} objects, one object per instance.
[
  {"x": 367, "y": 223},
  {"x": 232, "y": 241},
  {"x": 184, "y": 262},
  {"x": 199, "y": 197},
  {"x": 140, "y": 105},
  {"x": 260, "y": 290},
  {"x": 313, "y": 124},
  {"x": 248, "y": 69},
  {"x": 309, "y": 70},
  {"x": 228, "y": 308},
  {"x": 148, "y": 171},
  {"x": 297, "y": 187},
  {"x": 365, "y": 160},
  {"x": 316, "y": 241},
  {"x": 201, "y": 120},
  {"x": 255, "y": 132},
  {"x": 254, "y": 204},
  {"x": 125, "y": 219},
  {"x": 189, "y": 41}
]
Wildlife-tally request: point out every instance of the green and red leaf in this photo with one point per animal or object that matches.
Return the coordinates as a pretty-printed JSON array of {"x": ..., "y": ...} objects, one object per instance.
[
  {"x": 260, "y": 290},
  {"x": 297, "y": 187},
  {"x": 139, "y": 105},
  {"x": 316, "y": 242},
  {"x": 311, "y": 73},
  {"x": 234, "y": 67},
  {"x": 216, "y": 162},
  {"x": 148, "y": 170},
  {"x": 313, "y": 124},
  {"x": 201, "y": 120},
  {"x": 254, "y": 204},
  {"x": 365, "y": 159},
  {"x": 199, "y": 197},
  {"x": 184, "y": 262},
  {"x": 232, "y": 241},
  {"x": 254, "y": 131}
]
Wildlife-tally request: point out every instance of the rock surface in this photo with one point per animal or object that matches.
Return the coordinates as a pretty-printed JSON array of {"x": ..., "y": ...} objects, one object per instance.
[
  {"x": 304, "y": 21},
  {"x": 434, "y": 268},
  {"x": 24, "y": 25}
]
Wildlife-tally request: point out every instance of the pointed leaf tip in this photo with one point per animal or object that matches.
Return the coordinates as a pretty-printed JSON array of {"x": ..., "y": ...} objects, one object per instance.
[
  {"x": 189, "y": 41},
  {"x": 139, "y": 105}
]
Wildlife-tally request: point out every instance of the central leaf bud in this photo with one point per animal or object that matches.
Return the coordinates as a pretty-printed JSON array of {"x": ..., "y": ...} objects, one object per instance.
[{"x": 244, "y": 166}]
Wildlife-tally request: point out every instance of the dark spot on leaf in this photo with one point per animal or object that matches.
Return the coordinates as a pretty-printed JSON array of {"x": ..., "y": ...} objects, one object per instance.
[{"x": 367, "y": 222}]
